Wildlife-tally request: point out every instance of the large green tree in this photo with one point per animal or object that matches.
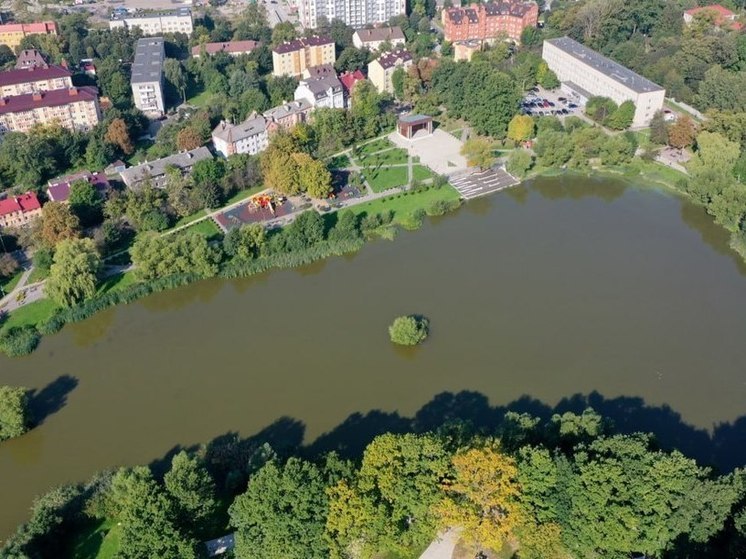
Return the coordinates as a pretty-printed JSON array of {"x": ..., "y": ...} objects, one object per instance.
[
  {"x": 192, "y": 489},
  {"x": 13, "y": 412},
  {"x": 74, "y": 275}
]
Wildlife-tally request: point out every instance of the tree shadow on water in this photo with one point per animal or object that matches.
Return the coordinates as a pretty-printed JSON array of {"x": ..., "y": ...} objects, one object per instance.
[{"x": 49, "y": 400}]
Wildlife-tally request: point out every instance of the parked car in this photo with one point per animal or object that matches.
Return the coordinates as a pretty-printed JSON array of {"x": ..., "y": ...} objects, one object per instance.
[{"x": 572, "y": 106}]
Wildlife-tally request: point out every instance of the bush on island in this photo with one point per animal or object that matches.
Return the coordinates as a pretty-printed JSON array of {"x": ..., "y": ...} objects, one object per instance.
[{"x": 409, "y": 330}]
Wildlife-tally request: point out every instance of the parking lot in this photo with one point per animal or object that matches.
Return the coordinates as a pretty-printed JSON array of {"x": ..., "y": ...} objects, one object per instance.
[
  {"x": 544, "y": 102},
  {"x": 481, "y": 183}
]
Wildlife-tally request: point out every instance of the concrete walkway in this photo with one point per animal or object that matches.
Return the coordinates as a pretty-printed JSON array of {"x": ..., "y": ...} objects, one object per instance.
[{"x": 442, "y": 546}]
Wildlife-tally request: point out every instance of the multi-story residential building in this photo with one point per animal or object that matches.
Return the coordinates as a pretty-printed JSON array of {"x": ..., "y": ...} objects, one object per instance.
[
  {"x": 487, "y": 22},
  {"x": 234, "y": 48},
  {"x": 382, "y": 68},
  {"x": 293, "y": 57},
  {"x": 58, "y": 190},
  {"x": 251, "y": 136},
  {"x": 373, "y": 38},
  {"x": 155, "y": 23},
  {"x": 33, "y": 79},
  {"x": 321, "y": 87},
  {"x": 11, "y": 34},
  {"x": 75, "y": 108},
  {"x": 147, "y": 76},
  {"x": 19, "y": 211},
  {"x": 355, "y": 13},
  {"x": 720, "y": 15},
  {"x": 29, "y": 58},
  {"x": 585, "y": 73},
  {"x": 288, "y": 114},
  {"x": 155, "y": 171}
]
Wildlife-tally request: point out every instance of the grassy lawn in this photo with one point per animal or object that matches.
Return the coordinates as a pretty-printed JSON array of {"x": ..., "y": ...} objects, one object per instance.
[
  {"x": 117, "y": 281},
  {"x": 243, "y": 194},
  {"x": 200, "y": 99},
  {"x": 30, "y": 315},
  {"x": 99, "y": 541},
  {"x": 338, "y": 162},
  {"x": 403, "y": 206},
  {"x": 385, "y": 178},
  {"x": 188, "y": 219},
  {"x": 9, "y": 284},
  {"x": 205, "y": 227},
  {"x": 389, "y": 157},
  {"x": 375, "y": 145},
  {"x": 421, "y": 173},
  {"x": 38, "y": 274}
]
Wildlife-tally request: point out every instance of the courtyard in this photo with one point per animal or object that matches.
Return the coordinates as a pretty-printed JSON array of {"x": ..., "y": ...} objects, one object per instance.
[{"x": 439, "y": 151}]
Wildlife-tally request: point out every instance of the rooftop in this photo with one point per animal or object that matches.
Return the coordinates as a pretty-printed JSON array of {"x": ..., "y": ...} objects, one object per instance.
[
  {"x": 156, "y": 168},
  {"x": 54, "y": 98},
  {"x": 228, "y": 46},
  {"x": 28, "y": 58},
  {"x": 322, "y": 80},
  {"x": 490, "y": 9},
  {"x": 33, "y": 74},
  {"x": 298, "y": 44},
  {"x": 148, "y": 64},
  {"x": 349, "y": 79},
  {"x": 287, "y": 109},
  {"x": 391, "y": 59},
  {"x": 255, "y": 124},
  {"x": 415, "y": 119},
  {"x": 606, "y": 66},
  {"x": 380, "y": 34},
  {"x": 59, "y": 188},
  {"x": 38, "y": 27},
  {"x": 23, "y": 203},
  {"x": 180, "y": 12},
  {"x": 722, "y": 10}
]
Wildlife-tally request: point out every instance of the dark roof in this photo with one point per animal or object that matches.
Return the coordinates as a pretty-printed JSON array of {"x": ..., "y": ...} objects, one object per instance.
[
  {"x": 119, "y": 14},
  {"x": 490, "y": 9},
  {"x": 415, "y": 119},
  {"x": 54, "y": 98},
  {"x": 298, "y": 44},
  {"x": 148, "y": 64},
  {"x": 33, "y": 74},
  {"x": 380, "y": 34},
  {"x": 389, "y": 60},
  {"x": 606, "y": 66},
  {"x": 28, "y": 58},
  {"x": 59, "y": 189}
]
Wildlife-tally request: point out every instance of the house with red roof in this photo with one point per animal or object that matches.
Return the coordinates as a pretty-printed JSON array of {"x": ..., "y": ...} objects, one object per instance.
[
  {"x": 349, "y": 79},
  {"x": 19, "y": 211},
  {"x": 721, "y": 16}
]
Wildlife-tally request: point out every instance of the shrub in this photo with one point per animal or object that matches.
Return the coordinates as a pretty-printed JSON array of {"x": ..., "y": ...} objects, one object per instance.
[
  {"x": 409, "y": 330},
  {"x": 19, "y": 341},
  {"x": 441, "y": 207}
]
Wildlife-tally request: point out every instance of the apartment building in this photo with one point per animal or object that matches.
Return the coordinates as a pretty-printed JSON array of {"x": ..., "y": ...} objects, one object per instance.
[
  {"x": 75, "y": 108},
  {"x": 147, "y": 76},
  {"x": 155, "y": 23},
  {"x": 33, "y": 79},
  {"x": 19, "y": 211},
  {"x": 373, "y": 38},
  {"x": 355, "y": 13},
  {"x": 29, "y": 58},
  {"x": 289, "y": 114},
  {"x": 487, "y": 22},
  {"x": 11, "y": 34},
  {"x": 234, "y": 48},
  {"x": 382, "y": 68},
  {"x": 321, "y": 87},
  {"x": 155, "y": 171},
  {"x": 293, "y": 57},
  {"x": 585, "y": 73}
]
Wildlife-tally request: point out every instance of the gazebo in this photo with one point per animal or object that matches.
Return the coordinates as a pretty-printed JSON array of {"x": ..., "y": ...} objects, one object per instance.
[{"x": 409, "y": 125}]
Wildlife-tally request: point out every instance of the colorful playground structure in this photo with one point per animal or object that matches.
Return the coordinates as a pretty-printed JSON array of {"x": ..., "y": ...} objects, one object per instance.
[{"x": 257, "y": 209}]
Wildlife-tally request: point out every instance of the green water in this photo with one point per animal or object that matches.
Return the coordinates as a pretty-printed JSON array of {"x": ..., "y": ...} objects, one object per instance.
[{"x": 564, "y": 286}]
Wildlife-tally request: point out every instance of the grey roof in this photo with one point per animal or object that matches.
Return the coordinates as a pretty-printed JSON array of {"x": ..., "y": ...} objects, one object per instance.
[
  {"x": 320, "y": 84},
  {"x": 156, "y": 168},
  {"x": 255, "y": 124},
  {"x": 391, "y": 59},
  {"x": 380, "y": 34},
  {"x": 148, "y": 64},
  {"x": 614, "y": 70},
  {"x": 579, "y": 90},
  {"x": 145, "y": 14},
  {"x": 287, "y": 109}
]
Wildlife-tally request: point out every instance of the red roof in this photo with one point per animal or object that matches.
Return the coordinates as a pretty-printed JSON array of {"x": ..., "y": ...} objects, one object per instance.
[
  {"x": 28, "y": 28},
  {"x": 59, "y": 189},
  {"x": 722, "y": 10},
  {"x": 23, "y": 203},
  {"x": 33, "y": 74},
  {"x": 349, "y": 79},
  {"x": 54, "y": 98}
]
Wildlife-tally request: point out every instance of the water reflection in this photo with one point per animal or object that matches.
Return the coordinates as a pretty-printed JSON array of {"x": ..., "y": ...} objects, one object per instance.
[
  {"x": 575, "y": 186},
  {"x": 202, "y": 291}
]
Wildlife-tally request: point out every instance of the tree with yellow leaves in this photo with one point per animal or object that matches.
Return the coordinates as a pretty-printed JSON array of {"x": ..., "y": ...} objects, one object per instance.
[{"x": 482, "y": 497}]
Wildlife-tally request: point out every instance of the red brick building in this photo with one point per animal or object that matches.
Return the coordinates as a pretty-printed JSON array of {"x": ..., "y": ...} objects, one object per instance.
[
  {"x": 18, "y": 211},
  {"x": 484, "y": 22}
]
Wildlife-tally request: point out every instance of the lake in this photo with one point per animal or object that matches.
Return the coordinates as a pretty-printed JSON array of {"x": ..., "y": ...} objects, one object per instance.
[{"x": 562, "y": 291}]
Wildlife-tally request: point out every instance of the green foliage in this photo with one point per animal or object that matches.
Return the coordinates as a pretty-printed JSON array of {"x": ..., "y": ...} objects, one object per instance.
[
  {"x": 622, "y": 117},
  {"x": 245, "y": 242},
  {"x": 17, "y": 341},
  {"x": 658, "y": 129},
  {"x": 478, "y": 152},
  {"x": 157, "y": 257},
  {"x": 553, "y": 149},
  {"x": 600, "y": 108},
  {"x": 85, "y": 202},
  {"x": 192, "y": 490},
  {"x": 519, "y": 162},
  {"x": 74, "y": 275},
  {"x": 545, "y": 77},
  {"x": 13, "y": 412},
  {"x": 409, "y": 330}
]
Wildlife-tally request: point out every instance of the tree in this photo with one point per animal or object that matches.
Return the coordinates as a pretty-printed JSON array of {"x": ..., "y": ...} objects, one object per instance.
[
  {"x": 306, "y": 230},
  {"x": 397, "y": 81},
  {"x": 659, "y": 129},
  {"x": 521, "y": 128},
  {"x": 245, "y": 242},
  {"x": 174, "y": 74},
  {"x": 8, "y": 265},
  {"x": 681, "y": 133},
  {"x": 622, "y": 117},
  {"x": 553, "y": 149},
  {"x": 58, "y": 223},
  {"x": 478, "y": 152},
  {"x": 156, "y": 257},
  {"x": 86, "y": 202},
  {"x": 482, "y": 497},
  {"x": 408, "y": 330},
  {"x": 13, "y": 412},
  {"x": 313, "y": 175},
  {"x": 351, "y": 59},
  {"x": 283, "y": 32},
  {"x": 545, "y": 77},
  {"x": 282, "y": 513},
  {"x": 519, "y": 162},
  {"x": 73, "y": 276},
  {"x": 188, "y": 139},
  {"x": 714, "y": 152},
  {"x": 531, "y": 36},
  {"x": 118, "y": 134},
  {"x": 618, "y": 149},
  {"x": 600, "y": 108},
  {"x": 192, "y": 489}
]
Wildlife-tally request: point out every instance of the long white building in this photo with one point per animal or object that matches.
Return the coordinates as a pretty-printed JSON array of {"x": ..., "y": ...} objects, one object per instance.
[
  {"x": 586, "y": 73},
  {"x": 147, "y": 76},
  {"x": 355, "y": 13},
  {"x": 155, "y": 23}
]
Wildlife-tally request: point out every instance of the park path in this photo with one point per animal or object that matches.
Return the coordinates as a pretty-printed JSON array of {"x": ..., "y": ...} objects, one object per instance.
[
  {"x": 22, "y": 293},
  {"x": 443, "y": 546}
]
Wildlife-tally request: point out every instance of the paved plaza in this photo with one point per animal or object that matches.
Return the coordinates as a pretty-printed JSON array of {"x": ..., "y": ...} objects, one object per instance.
[
  {"x": 440, "y": 151},
  {"x": 481, "y": 183}
]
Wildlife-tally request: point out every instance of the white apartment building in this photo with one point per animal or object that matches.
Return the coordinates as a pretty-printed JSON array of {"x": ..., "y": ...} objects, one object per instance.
[
  {"x": 355, "y": 13},
  {"x": 155, "y": 23},
  {"x": 321, "y": 87},
  {"x": 586, "y": 73},
  {"x": 147, "y": 76},
  {"x": 74, "y": 108},
  {"x": 251, "y": 136}
]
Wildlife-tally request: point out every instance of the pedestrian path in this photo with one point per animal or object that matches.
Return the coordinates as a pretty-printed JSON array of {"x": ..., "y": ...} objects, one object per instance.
[{"x": 481, "y": 183}]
